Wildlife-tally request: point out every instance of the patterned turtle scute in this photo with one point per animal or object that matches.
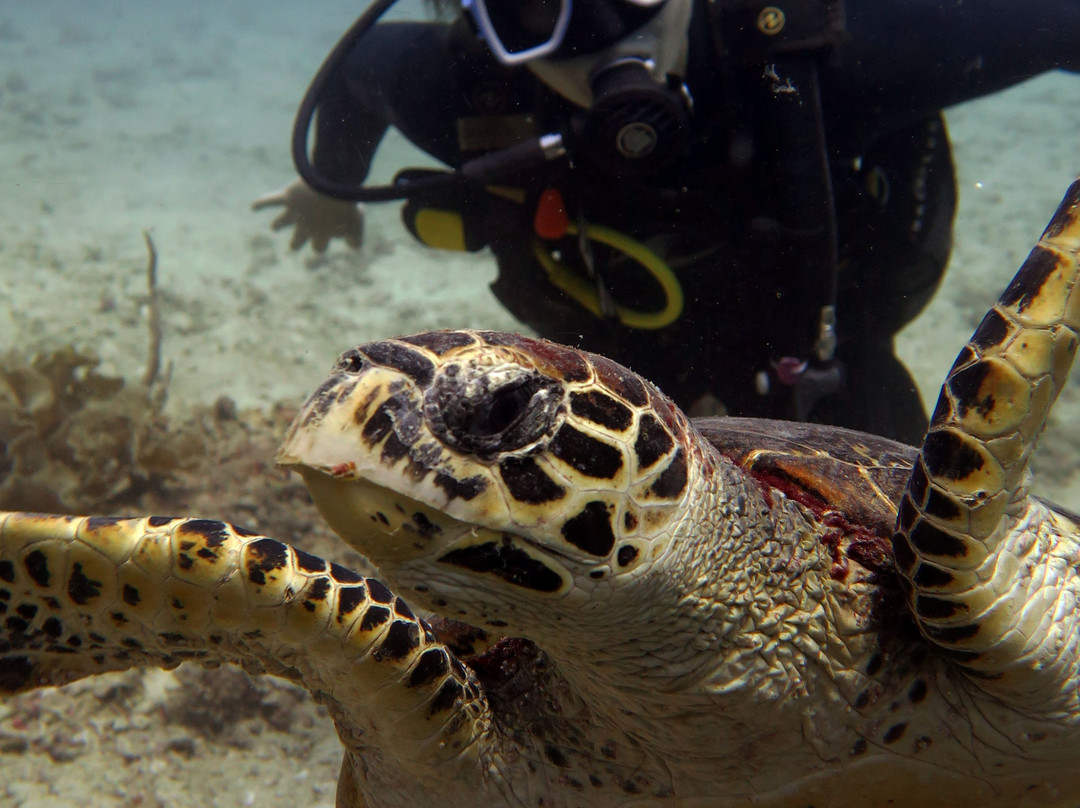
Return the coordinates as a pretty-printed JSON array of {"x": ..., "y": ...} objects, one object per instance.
[{"x": 627, "y": 607}]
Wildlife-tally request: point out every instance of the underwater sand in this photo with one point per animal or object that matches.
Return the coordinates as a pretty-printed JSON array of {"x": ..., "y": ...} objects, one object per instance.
[{"x": 171, "y": 118}]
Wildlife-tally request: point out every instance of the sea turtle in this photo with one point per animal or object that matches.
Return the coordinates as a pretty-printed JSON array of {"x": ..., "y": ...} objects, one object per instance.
[{"x": 628, "y": 608}]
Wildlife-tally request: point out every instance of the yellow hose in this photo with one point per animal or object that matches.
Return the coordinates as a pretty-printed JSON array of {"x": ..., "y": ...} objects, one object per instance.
[{"x": 584, "y": 292}]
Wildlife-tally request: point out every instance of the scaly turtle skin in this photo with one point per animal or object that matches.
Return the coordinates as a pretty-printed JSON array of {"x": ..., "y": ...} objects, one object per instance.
[{"x": 648, "y": 611}]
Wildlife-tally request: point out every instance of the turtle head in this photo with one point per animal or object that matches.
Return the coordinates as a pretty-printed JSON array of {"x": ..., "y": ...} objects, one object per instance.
[{"x": 500, "y": 478}]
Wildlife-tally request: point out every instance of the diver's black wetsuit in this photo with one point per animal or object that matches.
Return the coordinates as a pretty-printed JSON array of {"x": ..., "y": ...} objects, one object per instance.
[{"x": 745, "y": 239}]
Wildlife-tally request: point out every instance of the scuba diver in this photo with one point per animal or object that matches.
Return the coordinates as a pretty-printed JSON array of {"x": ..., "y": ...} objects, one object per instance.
[{"x": 744, "y": 202}]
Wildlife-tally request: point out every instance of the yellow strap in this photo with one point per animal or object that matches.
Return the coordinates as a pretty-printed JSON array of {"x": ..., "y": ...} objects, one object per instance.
[{"x": 584, "y": 292}]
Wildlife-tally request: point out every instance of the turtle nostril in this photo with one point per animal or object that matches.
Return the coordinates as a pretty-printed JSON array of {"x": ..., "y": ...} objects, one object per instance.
[{"x": 352, "y": 361}]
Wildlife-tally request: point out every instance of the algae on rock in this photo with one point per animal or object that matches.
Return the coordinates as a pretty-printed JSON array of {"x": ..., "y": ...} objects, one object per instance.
[{"x": 72, "y": 438}]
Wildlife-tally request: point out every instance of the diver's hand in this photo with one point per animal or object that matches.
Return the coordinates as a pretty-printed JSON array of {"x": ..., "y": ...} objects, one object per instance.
[{"x": 316, "y": 217}]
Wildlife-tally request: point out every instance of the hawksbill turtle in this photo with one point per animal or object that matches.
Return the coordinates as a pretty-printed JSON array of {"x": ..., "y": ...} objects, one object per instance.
[{"x": 624, "y": 606}]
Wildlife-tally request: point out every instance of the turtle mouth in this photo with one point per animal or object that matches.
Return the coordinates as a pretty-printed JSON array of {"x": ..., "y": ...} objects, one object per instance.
[
  {"x": 393, "y": 529},
  {"x": 383, "y": 524}
]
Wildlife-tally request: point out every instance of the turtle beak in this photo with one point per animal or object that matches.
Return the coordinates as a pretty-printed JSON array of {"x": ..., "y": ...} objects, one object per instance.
[
  {"x": 378, "y": 478},
  {"x": 309, "y": 441},
  {"x": 342, "y": 430}
]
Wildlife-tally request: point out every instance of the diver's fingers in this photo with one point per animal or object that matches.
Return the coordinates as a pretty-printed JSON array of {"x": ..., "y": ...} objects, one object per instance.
[
  {"x": 272, "y": 199},
  {"x": 287, "y": 217},
  {"x": 354, "y": 234},
  {"x": 299, "y": 238},
  {"x": 320, "y": 241}
]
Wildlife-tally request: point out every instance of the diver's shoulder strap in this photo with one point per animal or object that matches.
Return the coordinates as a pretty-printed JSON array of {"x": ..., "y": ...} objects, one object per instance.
[{"x": 760, "y": 29}]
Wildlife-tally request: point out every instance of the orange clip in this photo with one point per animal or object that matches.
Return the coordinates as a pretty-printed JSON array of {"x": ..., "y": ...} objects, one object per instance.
[{"x": 550, "y": 221}]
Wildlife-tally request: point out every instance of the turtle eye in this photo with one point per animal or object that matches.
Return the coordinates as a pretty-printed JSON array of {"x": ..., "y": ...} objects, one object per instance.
[
  {"x": 502, "y": 411},
  {"x": 488, "y": 413}
]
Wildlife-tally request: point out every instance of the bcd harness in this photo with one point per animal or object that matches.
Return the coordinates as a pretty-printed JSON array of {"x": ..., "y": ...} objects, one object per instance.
[{"x": 764, "y": 58}]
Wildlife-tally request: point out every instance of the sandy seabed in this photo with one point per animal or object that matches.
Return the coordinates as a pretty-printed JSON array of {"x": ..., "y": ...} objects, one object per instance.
[{"x": 119, "y": 117}]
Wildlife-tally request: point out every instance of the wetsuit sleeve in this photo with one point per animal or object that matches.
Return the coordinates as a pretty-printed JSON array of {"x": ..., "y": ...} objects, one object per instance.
[
  {"x": 347, "y": 130},
  {"x": 398, "y": 75},
  {"x": 904, "y": 60}
]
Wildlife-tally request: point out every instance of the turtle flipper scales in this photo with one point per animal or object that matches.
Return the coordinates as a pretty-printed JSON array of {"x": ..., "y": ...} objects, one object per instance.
[
  {"x": 991, "y": 572},
  {"x": 81, "y": 596}
]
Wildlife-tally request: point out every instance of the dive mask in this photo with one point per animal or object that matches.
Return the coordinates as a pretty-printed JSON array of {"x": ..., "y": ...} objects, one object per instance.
[{"x": 519, "y": 31}]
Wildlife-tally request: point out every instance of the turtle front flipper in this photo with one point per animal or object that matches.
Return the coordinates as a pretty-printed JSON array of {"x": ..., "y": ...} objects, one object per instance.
[
  {"x": 991, "y": 571},
  {"x": 81, "y": 596}
]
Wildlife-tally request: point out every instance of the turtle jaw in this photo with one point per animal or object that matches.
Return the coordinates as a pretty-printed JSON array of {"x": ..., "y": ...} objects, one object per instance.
[
  {"x": 457, "y": 569},
  {"x": 388, "y": 527}
]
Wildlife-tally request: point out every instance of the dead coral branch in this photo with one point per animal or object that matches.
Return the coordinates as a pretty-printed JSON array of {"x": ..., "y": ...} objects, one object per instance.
[{"x": 153, "y": 362}]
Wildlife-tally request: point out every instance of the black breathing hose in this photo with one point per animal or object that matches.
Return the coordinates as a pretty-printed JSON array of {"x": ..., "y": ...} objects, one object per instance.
[{"x": 306, "y": 113}]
